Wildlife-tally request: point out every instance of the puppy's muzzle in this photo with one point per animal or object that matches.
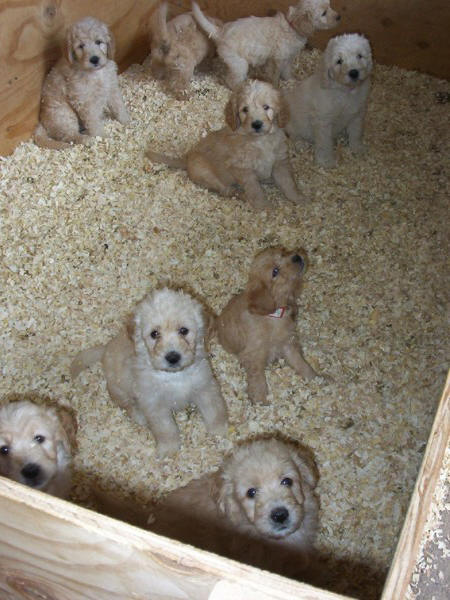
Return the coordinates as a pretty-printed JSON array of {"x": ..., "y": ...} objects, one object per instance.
[
  {"x": 94, "y": 60},
  {"x": 279, "y": 515},
  {"x": 257, "y": 125},
  {"x": 353, "y": 74},
  {"x": 173, "y": 358},
  {"x": 31, "y": 472}
]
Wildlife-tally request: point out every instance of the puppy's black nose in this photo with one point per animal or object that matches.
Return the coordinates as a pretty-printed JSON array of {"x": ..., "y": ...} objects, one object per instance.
[
  {"x": 31, "y": 470},
  {"x": 353, "y": 74},
  {"x": 94, "y": 60},
  {"x": 298, "y": 259},
  {"x": 257, "y": 125},
  {"x": 338, "y": 17},
  {"x": 173, "y": 357},
  {"x": 279, "y": 514}
]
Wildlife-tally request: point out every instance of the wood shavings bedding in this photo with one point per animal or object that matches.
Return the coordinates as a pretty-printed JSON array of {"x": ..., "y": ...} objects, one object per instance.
[{"x": 87, "y": 232}]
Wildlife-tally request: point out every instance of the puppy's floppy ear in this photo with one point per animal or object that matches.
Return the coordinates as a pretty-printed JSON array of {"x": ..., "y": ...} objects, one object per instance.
[
  {"x": 68, "y": 422},
  {"x": 232, "y": 113},
  {"x": 260, "y": 299},
  {"x": 210, "y": 326},
  {"x": 221, "y": 492},
  {"x": 301, "y": 20},
  {"x": 68, "y": 47},
  {"x": 110, "y": 45},
  {"x": 305, "y": 463},
  {"x": 131, "y": 326},
  {"x": 283, "y": 113}
]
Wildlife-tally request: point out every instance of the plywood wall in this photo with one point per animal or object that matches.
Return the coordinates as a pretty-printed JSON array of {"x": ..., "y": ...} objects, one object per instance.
[{"x": 409, "y": 33}]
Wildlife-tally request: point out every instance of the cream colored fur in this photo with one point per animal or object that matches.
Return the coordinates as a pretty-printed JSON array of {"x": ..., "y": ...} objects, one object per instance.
[
  {"x": 36, "y": 446},
  {"x": 251, "y": 148},
  {"x": 334, "y": 99},
  {"x": 259, "y": 508},
  {"x": 177, "y": 47},
  {"x": 158, "y": 365},
  {"x": 259, "y": 324},
  {"x": 80, "y": 89},
  {"x": 271, "y": 41}
]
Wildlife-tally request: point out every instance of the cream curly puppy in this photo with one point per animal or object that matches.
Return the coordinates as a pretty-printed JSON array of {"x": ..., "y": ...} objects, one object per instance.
[
  {"x": 334, "y": 99},
  {"x": 177, "y": 48},
  {"x": 158, "y": 365},
  {"x": 259, "y": 324},
  {"x": 36, "y": 446},
  {"x": 258, "y": 508},
  {"x": 80, "y": 88},
  {"x": 270, "y": 41},
  {"x": 251, "y": 148}
]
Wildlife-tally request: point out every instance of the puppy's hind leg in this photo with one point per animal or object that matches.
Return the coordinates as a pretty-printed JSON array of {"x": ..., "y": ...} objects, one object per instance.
[
  {"x": 213, "y": 177},
  {"x": 213, "y": 410},
  {"x": 237, "y": 67},
  {"x": 284, "y": 178},
  {"x": 294, "y": 358}
]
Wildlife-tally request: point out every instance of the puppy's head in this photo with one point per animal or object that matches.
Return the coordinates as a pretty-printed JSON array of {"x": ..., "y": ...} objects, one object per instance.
[
  {"x": 89, "y": 44},
  {"x": 308, "y": 16},
  {"x": 275, "y": 279},
  {"x": 263, "y": 484},
  {"x": 347, "y": 61},
  {"x": 255, "y": 107},
  {"x": 168, "y": 330},
  {"x": 36, "y": 442}
]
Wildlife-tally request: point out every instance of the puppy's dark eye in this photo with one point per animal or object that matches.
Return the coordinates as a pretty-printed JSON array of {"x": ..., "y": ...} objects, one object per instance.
[
  {"x": 339, "y": 61},
  {"x": 359, "y": 56},
  {"x": 4, "y": 450},
  {"x": 183, "y": 331},
  {"x": 266, "y": 107},
  {"x": 275, "y": 271},
  {"x": 154, "y": 334},
  {"x": 251, "y": 493},
  {"x": 40, "y": 439},
  {"x": 98, "y": 42},
  {"x": 324, "y": 13},
  {"x": 81, "y": 46},
  {"x": 287, "y": 481},
  {"x": 245, "y": 109}
]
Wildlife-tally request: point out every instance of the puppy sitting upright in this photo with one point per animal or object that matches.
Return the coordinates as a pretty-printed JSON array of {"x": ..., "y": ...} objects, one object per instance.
[
  {"x": 80, "y": 88},
  {"x": 258, "y": 325},
  {"x": 252, "y": 147},
  {"x": 334, "y": 99},
  {"x": 36, "y": 446},
  {"x": 158, "y": 365}
]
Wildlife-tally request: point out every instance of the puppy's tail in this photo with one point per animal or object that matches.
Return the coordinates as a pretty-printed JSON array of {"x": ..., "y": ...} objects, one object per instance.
[
  {"x": 85, "y": 359},
  {"x": 43, "y": 140},
  {"x": 170, "y": 161},
  {"x": 208, "y": 27}
]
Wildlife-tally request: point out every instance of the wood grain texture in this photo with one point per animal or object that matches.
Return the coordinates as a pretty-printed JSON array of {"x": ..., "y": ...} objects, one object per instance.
[
  {"x": 31, "y": 34},
  {"x": 54, "y": 550},
  {"x": 407, "y": 552}
]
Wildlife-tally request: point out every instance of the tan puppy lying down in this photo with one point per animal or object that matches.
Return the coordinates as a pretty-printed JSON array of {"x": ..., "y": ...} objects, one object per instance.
[
  {"x": 36, "y": 446},
  {"x": 258, "y": 325},
  {"x": 333, "y": 100},
  {"x": 80, "y": 88},
  {"x": 251, "y": 148},
  {"x": 158, "y": 365}
]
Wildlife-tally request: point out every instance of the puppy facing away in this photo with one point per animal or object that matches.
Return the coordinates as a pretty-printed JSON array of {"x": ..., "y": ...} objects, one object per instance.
[
  {"x": 258, "y": 325},
  {"x": 334, "y": 99},
  {"x": 36, "y": 446},
  {"x": 158, "y": 365},
  {"x": 176, "y": 48},
  {"x": 251, "y": 148},
  {"x": 80, "y": 88},
  {"x": 258, "y": 508},
  {"x": 271, "y": 41}
]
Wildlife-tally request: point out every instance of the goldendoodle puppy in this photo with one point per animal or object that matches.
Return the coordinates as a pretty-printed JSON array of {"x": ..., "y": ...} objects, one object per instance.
[
  {"x": 176, "y": 48},
  {"x": 258, "y": 325},
  {"x": 252, "y": 147},
  {"x": 158, "y": 365},
  {"x": 258, "y": 508},
  {"x": 80, "y": 88},
  {"x": 334, "y": 99},
  {"x": 36, "y": 446},
  {"x": 271, "y": 41}
]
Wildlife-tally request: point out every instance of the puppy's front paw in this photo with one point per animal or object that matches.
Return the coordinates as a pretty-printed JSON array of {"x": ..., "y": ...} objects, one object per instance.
[
  {"x": 326, "y": 161},
  {"x": 358, "y": 148},
  {"x": 124, "y": 118},
  {"x": 167, "y": 448}
]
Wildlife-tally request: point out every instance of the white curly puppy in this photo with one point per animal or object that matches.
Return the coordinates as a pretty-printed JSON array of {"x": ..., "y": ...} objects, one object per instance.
[
  {"x": 80, "y": 88},
  {"x": 334, "y": 99},
  {"x": 258, "y": 508},
  {"x": 270, "y": 41},
  {"x": 36, "y": 446},
  {"x": 158, "y": 364}
]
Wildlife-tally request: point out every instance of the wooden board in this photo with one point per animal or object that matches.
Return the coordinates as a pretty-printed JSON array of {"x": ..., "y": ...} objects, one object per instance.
[
  {"x": 54, "y": 550},
  {"x": 31, "y": 34},
  {"x": 408, "y": 547}
]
